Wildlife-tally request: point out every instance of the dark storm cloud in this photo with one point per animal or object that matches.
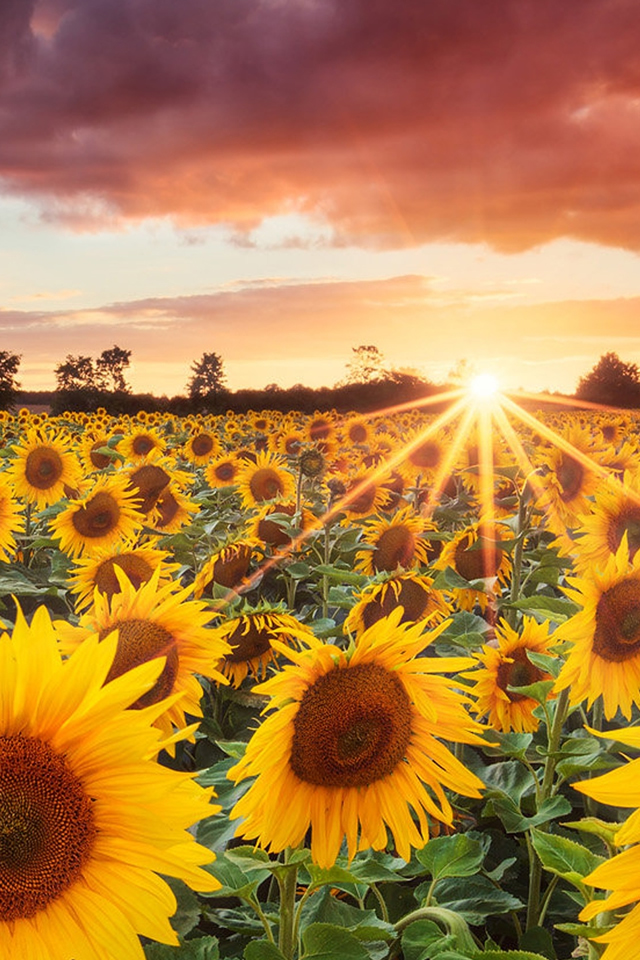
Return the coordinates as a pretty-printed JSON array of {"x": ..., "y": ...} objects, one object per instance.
[{"x": 510, "y": 121}]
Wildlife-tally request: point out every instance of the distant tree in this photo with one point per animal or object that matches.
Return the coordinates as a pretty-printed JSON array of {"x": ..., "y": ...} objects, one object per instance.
[
  {"x": 273, "y": 388},
  {"x": 461, "y": 372},
  {"x": 76, "y": 373},
  {"x": 207, "y": 382},
  {"x": 9, "y": 386},
  {"x": 366, "y": 365},
  {"x": 612, "y": 381},
  {"x": 109, "y": 369}
]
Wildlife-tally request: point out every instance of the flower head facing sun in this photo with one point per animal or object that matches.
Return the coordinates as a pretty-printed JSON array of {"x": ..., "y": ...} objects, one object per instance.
[
  {"x": 351, "y": 747},
  {"x": 395, "y": 542},
  {"x": 250, "y": 637},
  {"x": 44, "y": 468},
  {"x": 88, "y": 819},
  {"x": 411, "y": 591},
  {"x": 97, "y": 571},
  {"x": 106, "y": 516}
]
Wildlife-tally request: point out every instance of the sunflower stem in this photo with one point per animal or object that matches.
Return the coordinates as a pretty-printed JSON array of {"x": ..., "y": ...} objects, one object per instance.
[
  {"x": 287, "y": 883},
  {"x": 516, "y": 574},
  {"x": 383, "y": 906},
  {"x": 325, "y": 578},
  {"x": 451, "y": 921}
]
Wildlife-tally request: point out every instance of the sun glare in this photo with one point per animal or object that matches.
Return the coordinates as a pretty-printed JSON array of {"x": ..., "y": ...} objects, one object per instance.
[{"x": 483, "y": 386}]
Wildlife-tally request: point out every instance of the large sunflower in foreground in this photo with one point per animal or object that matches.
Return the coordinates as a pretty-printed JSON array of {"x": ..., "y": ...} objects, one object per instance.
[
  {"x": 605, "y": 657},
  {"x": 44, "y": 468},
  {"x": 508, "y": 665},
  {"x": 88, "y": 818},
  {"x": 155, "y": 621},
  {"x": 105, "y": 516},
  {"x": 351, "y": 747},
  {"x": 620, "y": 875}
]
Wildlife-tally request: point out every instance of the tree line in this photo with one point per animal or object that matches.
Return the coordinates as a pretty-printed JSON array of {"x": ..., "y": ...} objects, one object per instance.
[{"x": 86, "y": 383}]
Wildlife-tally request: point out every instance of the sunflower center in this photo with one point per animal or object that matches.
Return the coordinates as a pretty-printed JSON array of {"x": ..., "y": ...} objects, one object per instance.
[
  {"x": 202, "y": 445},
  {"x": 477, "y": 563},
  {"x": 137, "y": 570},
  {"x": 265, "y": 484},
  {"x": 225, "y": 471},
  {"x": 411, "y": 596},
  {"x": 43, "y": 467},
  {"x": 358, "y": 433},
  {"x": 519, "y": 673},
  {"x": 352, "y": 728},
  {"x": 570, "y": 474},
  {"x": 99, "y": 460},
  {"x": 363, "y": 501},
  {"x": 47, "y": 828},
  {"x": 617, "y": 634},
  {"x": 142, "y": 445},
  {"x": 149, "y": 481},
  {"x": 395, "y": 547},
  {"x": 427, "y": 455},
  {"x": 248, "y": 641},
  {"x": 232, "y": 565},
  {"x": 627, "y": 521},
  {"x": 167, "y": 507},
  {"x": 98, "y": 517},
  {"x": 138, "y": 642},
  {"x": 320, "y": 429},
  {"x": 269, "y": 531}
]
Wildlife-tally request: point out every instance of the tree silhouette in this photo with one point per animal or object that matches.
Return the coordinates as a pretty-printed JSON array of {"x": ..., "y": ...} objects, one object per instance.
[
  {"x": 612, "y": 382},
  {"x": 207, "y": 382},
  {"x": 109, "y": 369},
  {"x": 76, "y": 373},
  {"x": 366, "y": 365},
  {"x": 9, "y": 386}
]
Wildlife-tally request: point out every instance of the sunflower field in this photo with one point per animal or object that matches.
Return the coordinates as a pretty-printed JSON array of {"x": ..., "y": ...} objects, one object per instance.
[{"x": 329, "y": 687}]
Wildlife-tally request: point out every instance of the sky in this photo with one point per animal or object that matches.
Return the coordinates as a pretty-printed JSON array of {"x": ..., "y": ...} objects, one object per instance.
[{"x": 280, "y": 181}]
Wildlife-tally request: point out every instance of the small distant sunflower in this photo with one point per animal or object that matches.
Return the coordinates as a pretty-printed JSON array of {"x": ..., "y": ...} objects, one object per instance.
[
  {"x": 620, "y": 875},
  {"x": 44, "y": 468},
  {"x": 104, "y": 517},
  {"x": 568, "y": 483},
  {"x": 357, "y": 431},
  {"x": 362, "y": 497},
  {"x": 223, "y": 471},
  {"x": 266, "y": 528},
  {"x": 605, "y": 657},
  {"x": 228, "y": 567},
  {"x": 155, "y": 621},
  {"x": 615, "y": 513},
  {"x": 173, "y": 510},
  {"x": 466, "y": 554},
  {"x": 353, "y": 746},
  {"x": 91, "y": 455},
  {"x": 426, "y": 458},
  {"x": 411, "y": 591},
  {"x": 201, "y": 447},
  {"x": 137, "y": 445},
  {"x": 397, "y": 542},
  {"x": 250, "y": 636},
  {"x": 90, "y": 823},
  {"x": 96, "y": 572},
  {"x": 507, "y": 665},
  {"x": 266, "y": 479},
  {"x": 290, "y": 442},
  {"x": 11, "y": 519}
]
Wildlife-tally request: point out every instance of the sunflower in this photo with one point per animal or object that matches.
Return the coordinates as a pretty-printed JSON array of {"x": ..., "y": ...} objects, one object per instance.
[
  {"x": 568, "y": 483},
  {"x": 11, "y": 519},
  {"x": 411, "y": 591},
  {"x": 88, "y": 818},
  {"x": 96, "y": 572},
  {"x": 155, "y": 621},
  {"x": 605, "y": 657},
  {"x": 507, "y": 665},
  {"x": 274, "y": 532},
  {"x": 394, "y": 542},
  {"x": 621, "y": 874},
  {"x": 356, "y": 431},
  {"x": 614, "y": 514},
  {"x": 266, "y": 479},
  {"x": 228, "y": 567},
  {"x": 362, "y": 497},
  {"x": 250, "y": 636},
  {"x": 427, "y": 457},
  {"x": 223, "y": 471},
  {"x": 201, "y": 447},
  {"x": 139, "y": 443},
  {"x": 91, "y": 455},
  {"x": 44, "y": 469},
  {"x": 351, "y": 747},
  {"x": 103, "y": 518},
  {"x": 475, "y": 557},
  {"x": 148, "y": 481},
  {"x": 173, "y": 510}
]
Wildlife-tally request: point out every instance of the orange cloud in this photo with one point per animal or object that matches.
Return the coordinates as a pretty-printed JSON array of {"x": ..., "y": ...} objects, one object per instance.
[{"x": 504, "y": 121}]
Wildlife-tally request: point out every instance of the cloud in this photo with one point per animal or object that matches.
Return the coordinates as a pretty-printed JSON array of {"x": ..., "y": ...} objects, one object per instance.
[{"x": 505, "y": 121}]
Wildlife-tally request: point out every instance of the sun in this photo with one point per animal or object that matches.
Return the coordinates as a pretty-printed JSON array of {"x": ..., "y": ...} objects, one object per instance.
[{"x": 484, "y": 386}]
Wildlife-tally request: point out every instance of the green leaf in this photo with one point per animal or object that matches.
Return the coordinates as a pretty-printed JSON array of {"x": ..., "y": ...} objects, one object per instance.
[
  {"x": 514, "y": 821},
  {"x": 474, "y": 898},
  {"x": 324, "y": 941},
  {"x": 456, "y": 856},
  {"x": 188, "y": 912},
  {"x": 233, "y": 748},
  {"x": 538, "y": 691},
  {"x": 508, "y": 744},
  {"x": 262, "y": 950},
  {"x": 508, "y": 955},
  {"x": 202, "y": 948},
  {"x": 550, "y": 665},
  {"x": 419, "y": 937},
  {"x": 564, "y": 857},
  {"x": 597, "y": 828},
  {"x": 556, "y": 609}
]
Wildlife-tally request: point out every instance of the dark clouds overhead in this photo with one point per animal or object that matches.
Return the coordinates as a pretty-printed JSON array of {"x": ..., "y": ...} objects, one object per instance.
[{"x": 510, "y": 121}]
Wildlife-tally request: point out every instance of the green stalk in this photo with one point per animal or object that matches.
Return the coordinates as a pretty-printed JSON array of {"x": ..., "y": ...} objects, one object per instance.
[
  {"x": 286, "y": 932},
  {"x": 516, "y": 574},
  {"x": 452, "y": 923}
]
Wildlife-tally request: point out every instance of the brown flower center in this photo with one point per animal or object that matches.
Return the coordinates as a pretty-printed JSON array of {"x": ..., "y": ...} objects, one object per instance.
[
  {"x": 270, "y": 531},
  {"x": 363, "y": 501},
  {"x": 148, "y": 482},
  {"x": 98, "y": 517},
  {"x": 617, "y": 634},
  {"x": 352, "y": 728},
  {"x": 99, "y": 460},
  {"x": 481, "y": 561},
  {"x": 137, "y": 570},
  {"x": 627, "y": 521},
  {"x": 142, "y": 444},
  {"x": 248, "y": 641},
  {"x": 413, "y": 597},
  {"x": 138, "y": 642},
  {"x": 168, "y": 508},
  {"x": 520, "y": 673},
  {"x": 202, "y": 445},
  {"x": 357, "y": 433},
  {"x": 232, "y": 565},
  {"x": 320, "y": 429},
  {"x": 226, "y": 471},
  {"x": 570, "y": 475},
  {"x": 47, "y": 828},
  {"x": 395, "y": 547},
  {"x": 43, "y": 468},
  {"x": 265, "y": 484},
  {"x": 427, "y": 456}
]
